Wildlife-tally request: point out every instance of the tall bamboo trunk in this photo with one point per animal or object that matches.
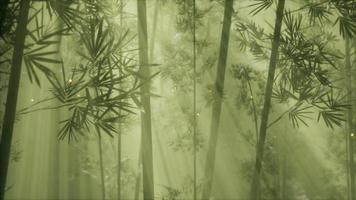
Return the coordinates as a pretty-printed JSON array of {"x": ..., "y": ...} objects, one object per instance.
[
  {"x": 138, "y": 175},
  {"x": 216, "y": 108},
  {"x": 119, "y": 147},
  {"x": 151, "y": 53},
  {"x": 119, "y": 136},
  {"x": 255, "y": 185},
  {"x": 11, "y": 101},
  {"x": 350, "y": 123},
  {"x": 146, "y": 137},
  {"x": 101, "y": 162},
  {"x": 154, "y": 28},
  {"x": 194, "y": 106},
  {"x": 282, "y": 161},
  {"x": 255, "y": 119}
]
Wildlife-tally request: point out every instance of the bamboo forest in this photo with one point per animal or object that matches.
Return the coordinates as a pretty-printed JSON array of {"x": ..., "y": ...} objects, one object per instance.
[{"x": 178, "y": 99}]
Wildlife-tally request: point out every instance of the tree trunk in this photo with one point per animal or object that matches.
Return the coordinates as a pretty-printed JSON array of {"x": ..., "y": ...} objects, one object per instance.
[
  {"x": 254, "y": 109},
  {"x": 138, "y": 175},
  {"x": 282, "y": 168},
  {"x": 101, "y": 162},
  {"x": 154, "y": 28},
  {"x": 350, "y": 126},
  {"x": 146, "y": 137},
  {"x": 11, "y": 101},
  {"x": 119, "y": 143},
  {"x": 194, "y": 106},
  {"x": 119, "y": 162},
  {"x": 255, "y": 185},
  {"x": 216, "y": 108},
  {"x": 151, "y": 51}
]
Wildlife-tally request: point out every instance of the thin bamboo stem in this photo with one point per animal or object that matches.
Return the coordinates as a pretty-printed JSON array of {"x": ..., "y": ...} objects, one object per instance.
[
  {"x": 119, "y": 136},
  {"x": 194, "y": 106},
  {"x": 102, "y": 174},
  {"x": 254, "y": 109}
]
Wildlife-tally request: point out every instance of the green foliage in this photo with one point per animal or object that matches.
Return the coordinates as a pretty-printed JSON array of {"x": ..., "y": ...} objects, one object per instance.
[
  {"x": 66, "y": 10},
  {"x": 306, "y": 69},
  {"x": 42, "y": 40},
  {"x": 298, "y": 114},
  {"x": 180, "y": 125},
  {"x": 333, "y": 109},
  {"x": 185, "y": 191},
  {"x": 211, "y": 95},
  {"x": 183, "y": 141},
  {"x": 253, "y": 37},
  {"x": 251, "y": 87},
  {"x": 89, "y": 166},
  {"x": 318, "y": 12},
  {"x": 93, "y": 93},
  {"x": 184, "y": 21},
  {"x": 40, "y": 48},
  {"x": 260, "y": 5},
  {"x": 342, "y": 10},
  {"x": 97, "y": 89},
  {"x": 179, "y": 71},
  {"x": 271, "y": 168}
]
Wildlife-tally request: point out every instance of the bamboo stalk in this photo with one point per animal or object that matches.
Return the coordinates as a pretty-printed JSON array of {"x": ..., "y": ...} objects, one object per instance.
[
  {"x": 194, "y": 107},
  {"x": 349, "y": 128},
  {"x": 119, "y": 143},
  {"x": 11, "y": 102},
  {"x": 102, "y": 174},
  {"x": 254, "y": 109},
  {"x": 255, "y": 185},
  {"x": 216, "y": 109},
  {"x": 144, "y": 70},
  {"x": 138, "y": 175}
]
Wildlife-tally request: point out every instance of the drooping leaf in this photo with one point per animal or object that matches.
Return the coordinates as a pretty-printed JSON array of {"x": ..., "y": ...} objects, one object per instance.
[{"x": 260, "y": 5}]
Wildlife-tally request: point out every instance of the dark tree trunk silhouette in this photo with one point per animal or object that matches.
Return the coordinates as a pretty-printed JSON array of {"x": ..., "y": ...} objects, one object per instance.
[
  {"x": 255, "y": 185},
  {"x": 216, "y": 108},
  {"x": 147, "y": 160},
  {"x": 11, "y": 100}
]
